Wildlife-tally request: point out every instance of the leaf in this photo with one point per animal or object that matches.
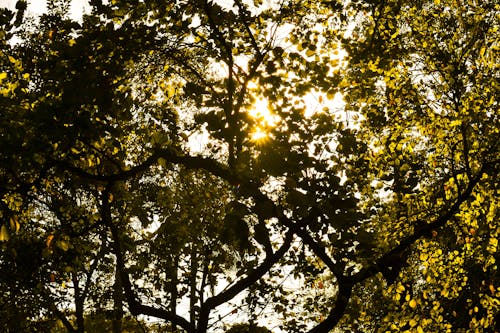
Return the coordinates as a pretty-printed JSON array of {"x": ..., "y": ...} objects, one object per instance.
[
  {"x": 413, "y": 304},
  {"x": 50, "y": 238},
  {"x": 4, "y": 234},
  {"x": 63, "y": 245},
  {"x": 14, "y": 224},
  {"x": 272, "y": 162},
  {"x": 310, "y": 53}
]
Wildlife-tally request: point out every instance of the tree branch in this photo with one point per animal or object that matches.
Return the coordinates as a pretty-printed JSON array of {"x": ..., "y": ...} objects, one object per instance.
[
  {"x": 59, "y": 314},
  {"x": 251, "y": 278},
  {"x": 346, "y": 283},
  {"x": 343, "y": 297},
  {"x": 135, "y": 306}
]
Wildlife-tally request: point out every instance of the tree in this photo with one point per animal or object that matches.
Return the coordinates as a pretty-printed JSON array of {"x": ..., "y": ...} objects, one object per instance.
[
  {"x": 304, "y": 213},
  {"x": 247, "y": 328},
  {"x": 430, "y": 77}
]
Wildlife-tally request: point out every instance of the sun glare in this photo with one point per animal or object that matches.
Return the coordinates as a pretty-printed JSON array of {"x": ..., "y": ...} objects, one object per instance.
[
  {"x": 261, "y": 112},
  {"x": 264, "y": 118},
  {"x": 258, "y": 135}
]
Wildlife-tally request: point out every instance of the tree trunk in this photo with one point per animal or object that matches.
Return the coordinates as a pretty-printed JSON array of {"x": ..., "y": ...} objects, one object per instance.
[
  {"x": 118, "y": 304},
  {"x": 193, "y": 298},
  {"x": 79, "y": 299},
  {"x": 175, "y": 280}
]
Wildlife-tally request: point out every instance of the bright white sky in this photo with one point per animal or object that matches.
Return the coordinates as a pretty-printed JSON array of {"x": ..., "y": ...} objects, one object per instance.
[{"x": 39, "y": 6}]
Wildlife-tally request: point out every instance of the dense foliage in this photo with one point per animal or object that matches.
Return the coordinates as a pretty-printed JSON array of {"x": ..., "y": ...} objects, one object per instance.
[{"x": 310, "y": 166}]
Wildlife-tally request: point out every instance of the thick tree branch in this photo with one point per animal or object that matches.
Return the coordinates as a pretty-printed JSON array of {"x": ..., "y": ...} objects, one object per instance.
[
  {"x": 421, "y": 231},
  {"x": 79, "y": 303},
  {"x": 250, "y": 188},
  {"x": 346, "y": 283},
  {"x": 168, "y": 154},
  {"x": 343, "y": 297},
  {"x": 242, "y": 284}
]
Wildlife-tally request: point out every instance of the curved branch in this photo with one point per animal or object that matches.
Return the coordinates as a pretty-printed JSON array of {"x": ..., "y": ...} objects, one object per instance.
[
  {"x": 251, "y": 188},
  {"x": 346, "y": 283},
  {"x": 343, "y": 297},
  {"x": 423, "y": 230},
  {"x": 248, "y": 186},
  {"x": 168, "y": 154},
  {"x": 242, "y": 284}
]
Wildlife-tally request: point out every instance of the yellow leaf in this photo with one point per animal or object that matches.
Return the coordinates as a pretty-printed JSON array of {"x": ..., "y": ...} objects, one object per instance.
[
  {"x": 492, "y": 288},
  {"x": 49, "y": 240},
  {"x": 492, "y": 245},
  {"x": 63, "y": 245},
  {"x": 3, "y": 76},
  {"x": 162, "y": 162},
  {"x": 14, "y": 224},
  {"x": 413, "y": 304},
  {"x": 4, "y": 234}
]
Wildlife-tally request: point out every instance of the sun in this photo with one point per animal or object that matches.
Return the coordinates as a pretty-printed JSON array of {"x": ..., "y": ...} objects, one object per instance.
[
  {"x": 258, "y": 135},
  {"x": 264, "y": 119}
]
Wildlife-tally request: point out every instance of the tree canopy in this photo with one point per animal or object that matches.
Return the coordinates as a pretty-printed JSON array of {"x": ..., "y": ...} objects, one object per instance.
[{"x": 308, "y": 166}]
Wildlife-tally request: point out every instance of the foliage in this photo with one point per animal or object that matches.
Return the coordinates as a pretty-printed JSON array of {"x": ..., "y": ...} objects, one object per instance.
[
  {"x": 188, "y": 161},
  {"x": 247, "y": 328}
]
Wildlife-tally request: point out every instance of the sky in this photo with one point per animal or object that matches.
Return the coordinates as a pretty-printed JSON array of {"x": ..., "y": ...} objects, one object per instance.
[{"x": 37, "y": 7}]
